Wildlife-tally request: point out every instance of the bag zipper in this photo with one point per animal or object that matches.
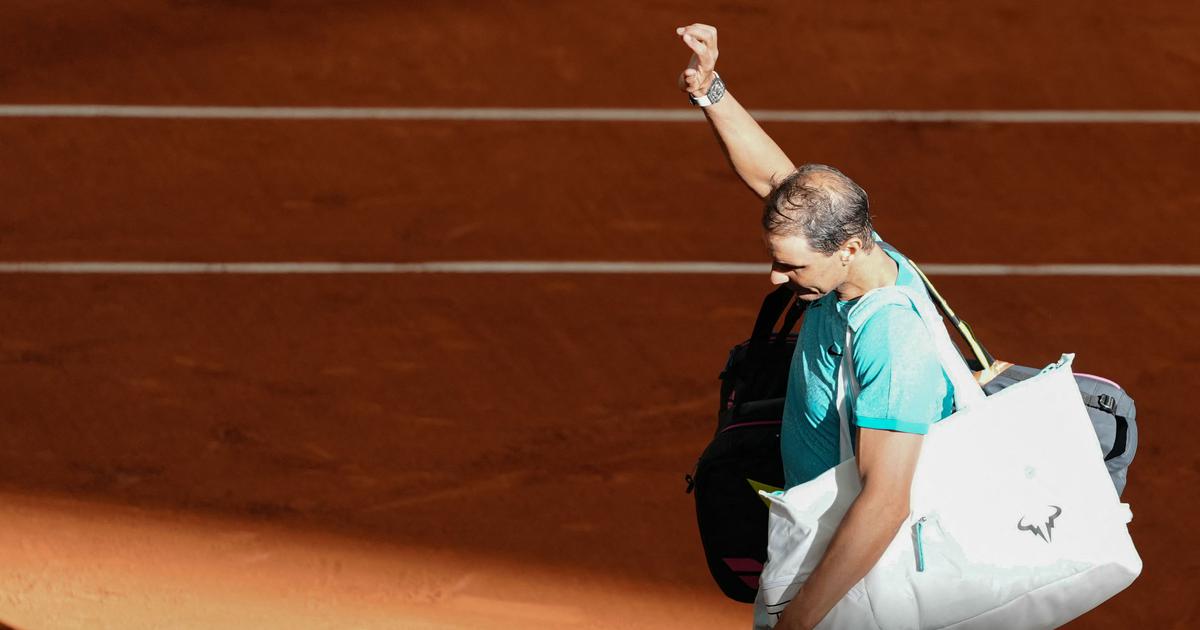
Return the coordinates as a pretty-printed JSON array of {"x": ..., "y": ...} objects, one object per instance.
[{"x": 920, "y": 528}]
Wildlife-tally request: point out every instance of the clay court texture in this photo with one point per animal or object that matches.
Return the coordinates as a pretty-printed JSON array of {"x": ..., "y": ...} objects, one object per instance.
[{"x": 225, "y": 447}]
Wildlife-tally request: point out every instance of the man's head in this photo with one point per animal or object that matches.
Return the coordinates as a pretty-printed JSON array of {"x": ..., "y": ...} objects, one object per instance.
[{"x": 815, "y": 222}]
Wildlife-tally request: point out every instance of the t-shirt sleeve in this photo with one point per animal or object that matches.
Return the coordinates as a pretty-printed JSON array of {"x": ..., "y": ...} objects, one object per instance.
[{"x": 901, "y": 385}]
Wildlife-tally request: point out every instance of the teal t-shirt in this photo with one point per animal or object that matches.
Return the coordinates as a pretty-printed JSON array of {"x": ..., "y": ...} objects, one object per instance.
[{"x": 902, "y": 386}]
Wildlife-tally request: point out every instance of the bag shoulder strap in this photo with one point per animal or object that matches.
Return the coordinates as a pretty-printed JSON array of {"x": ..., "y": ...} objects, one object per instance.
[
  {"x": 774, "y": 305},
  {"x": 981, "y": 358}
]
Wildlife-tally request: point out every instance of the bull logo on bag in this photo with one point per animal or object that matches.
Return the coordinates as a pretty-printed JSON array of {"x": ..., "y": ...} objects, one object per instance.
[{"x": 1046, "y": 534}]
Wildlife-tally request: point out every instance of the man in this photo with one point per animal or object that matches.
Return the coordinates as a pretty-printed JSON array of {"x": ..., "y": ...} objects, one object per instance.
[{"x": 817, "y": 229}]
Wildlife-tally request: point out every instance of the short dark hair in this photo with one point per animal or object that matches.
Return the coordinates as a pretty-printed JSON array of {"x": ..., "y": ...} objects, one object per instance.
[{"x": 820, "y": 203}]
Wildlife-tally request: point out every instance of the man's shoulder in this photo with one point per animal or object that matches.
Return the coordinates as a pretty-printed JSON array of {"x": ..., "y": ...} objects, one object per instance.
[{"x": 888, "y": 330}]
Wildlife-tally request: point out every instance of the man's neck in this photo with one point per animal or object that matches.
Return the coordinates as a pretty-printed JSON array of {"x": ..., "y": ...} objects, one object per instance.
[{"x": 870, "y": 270}]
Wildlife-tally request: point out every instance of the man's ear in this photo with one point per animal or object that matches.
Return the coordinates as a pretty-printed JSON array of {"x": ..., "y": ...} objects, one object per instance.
[{"x": 850, "y": 249}]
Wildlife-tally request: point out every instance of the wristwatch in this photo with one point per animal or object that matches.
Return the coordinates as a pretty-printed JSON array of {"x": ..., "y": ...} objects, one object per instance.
[{"x": 716, "y": 90}]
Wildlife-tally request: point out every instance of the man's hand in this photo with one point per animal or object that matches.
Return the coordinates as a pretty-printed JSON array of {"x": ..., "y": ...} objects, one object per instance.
[
  {"x": 754, "y": 156},
  {"x": 698, "y": 75}
]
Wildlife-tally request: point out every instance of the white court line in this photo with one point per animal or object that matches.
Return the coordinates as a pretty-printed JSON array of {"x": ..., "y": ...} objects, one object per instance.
[
  {"x": 534, "y": 114},
  {"x": 565, "y": 267}
]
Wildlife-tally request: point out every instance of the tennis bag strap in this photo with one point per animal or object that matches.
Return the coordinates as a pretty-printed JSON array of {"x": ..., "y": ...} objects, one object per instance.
[{"x": 980, "y": 358}]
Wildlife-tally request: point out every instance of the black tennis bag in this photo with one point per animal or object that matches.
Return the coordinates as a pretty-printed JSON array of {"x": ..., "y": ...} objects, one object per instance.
[{"x": 743, "y": 456}]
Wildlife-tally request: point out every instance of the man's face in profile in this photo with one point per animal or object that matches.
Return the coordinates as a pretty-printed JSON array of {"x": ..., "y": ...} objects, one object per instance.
[{"x": 809, "y": 273}]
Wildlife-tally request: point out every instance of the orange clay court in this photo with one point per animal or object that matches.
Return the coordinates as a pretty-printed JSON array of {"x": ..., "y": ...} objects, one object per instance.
[{"x": 445, "y": 451}]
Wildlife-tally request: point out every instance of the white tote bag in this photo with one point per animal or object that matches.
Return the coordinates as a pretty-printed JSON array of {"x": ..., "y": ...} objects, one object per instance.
[{"x": 1014, "y": 520}]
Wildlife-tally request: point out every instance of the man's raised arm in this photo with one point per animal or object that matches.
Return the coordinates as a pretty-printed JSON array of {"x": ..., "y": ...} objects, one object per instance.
[{"x": 753, "y": 154}]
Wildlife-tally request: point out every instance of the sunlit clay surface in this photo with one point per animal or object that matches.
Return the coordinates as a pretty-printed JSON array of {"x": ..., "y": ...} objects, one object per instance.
[{"x": 69, "y": 564}]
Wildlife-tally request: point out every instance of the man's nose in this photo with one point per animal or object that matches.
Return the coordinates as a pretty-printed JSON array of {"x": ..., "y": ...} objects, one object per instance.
[{"x": 778, "y": 278}]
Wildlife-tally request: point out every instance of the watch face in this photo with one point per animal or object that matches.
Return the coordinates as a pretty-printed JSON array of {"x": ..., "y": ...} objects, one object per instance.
[{"x": 716, "y": 90}]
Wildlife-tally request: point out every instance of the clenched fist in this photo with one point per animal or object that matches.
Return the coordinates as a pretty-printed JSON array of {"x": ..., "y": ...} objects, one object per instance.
[{"x": 698, "y": 75}]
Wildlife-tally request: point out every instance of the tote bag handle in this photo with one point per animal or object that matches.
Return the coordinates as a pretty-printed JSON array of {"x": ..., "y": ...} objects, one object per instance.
[{"x": 967, "y": 391}]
